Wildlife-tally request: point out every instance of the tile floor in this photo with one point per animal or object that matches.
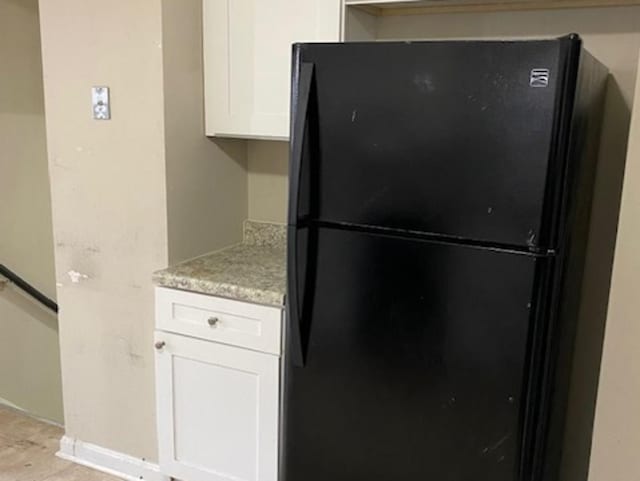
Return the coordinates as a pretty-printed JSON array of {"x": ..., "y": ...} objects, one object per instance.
[{"x": 27, "y": 452}]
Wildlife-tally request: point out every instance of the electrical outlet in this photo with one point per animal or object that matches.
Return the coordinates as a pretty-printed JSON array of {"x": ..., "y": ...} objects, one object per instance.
[{"x": 100, "y": 103}]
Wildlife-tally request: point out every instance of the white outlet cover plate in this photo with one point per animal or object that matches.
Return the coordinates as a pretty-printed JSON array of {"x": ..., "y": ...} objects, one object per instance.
[{"x": 100, "y": 103}]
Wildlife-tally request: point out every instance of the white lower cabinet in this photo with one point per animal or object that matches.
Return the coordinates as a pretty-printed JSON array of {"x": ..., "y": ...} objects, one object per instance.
[{"x": 217, "y": 409}]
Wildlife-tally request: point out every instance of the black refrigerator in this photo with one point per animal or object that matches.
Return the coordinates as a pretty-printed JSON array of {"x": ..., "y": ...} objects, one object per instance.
[{"x": 440, "y": 195}]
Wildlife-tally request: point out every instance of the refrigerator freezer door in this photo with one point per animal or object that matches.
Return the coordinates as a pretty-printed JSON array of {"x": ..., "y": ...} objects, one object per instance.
[
  {"x": 450, "y": 138},
  {"x": 414, "y": 361}
]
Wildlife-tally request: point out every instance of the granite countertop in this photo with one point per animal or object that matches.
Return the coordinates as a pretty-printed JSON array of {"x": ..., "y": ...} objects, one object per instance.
[{"x": 252, "y": 271}]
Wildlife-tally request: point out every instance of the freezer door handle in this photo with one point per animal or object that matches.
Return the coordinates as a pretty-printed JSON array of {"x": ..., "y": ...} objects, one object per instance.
[{"x": 301, "y": 91}]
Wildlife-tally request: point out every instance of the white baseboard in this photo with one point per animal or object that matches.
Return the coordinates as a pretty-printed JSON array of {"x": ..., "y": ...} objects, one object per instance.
[
  {"x": 9, "y": 405},
  {"x": 108, "y": 461}
]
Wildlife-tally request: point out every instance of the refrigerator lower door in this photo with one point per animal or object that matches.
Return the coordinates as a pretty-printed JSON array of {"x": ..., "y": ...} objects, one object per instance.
[{"x": 414, "y": 361}]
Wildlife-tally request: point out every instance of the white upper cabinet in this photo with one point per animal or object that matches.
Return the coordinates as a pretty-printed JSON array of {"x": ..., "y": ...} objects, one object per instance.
[{"x": 247, "y": 60}]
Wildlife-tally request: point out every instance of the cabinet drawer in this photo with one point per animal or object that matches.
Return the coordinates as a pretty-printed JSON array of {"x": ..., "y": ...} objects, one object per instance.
[{"x": 216, "y": 319}]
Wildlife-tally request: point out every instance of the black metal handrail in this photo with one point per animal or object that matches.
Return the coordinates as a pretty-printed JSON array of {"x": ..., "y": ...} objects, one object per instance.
[{"x": 28, "y": 288}]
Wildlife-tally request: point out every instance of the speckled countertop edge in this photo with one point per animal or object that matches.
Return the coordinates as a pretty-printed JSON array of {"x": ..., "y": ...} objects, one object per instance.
[
  {"x": 264, "y": 234},
  {"x": 253, "y": 271}
]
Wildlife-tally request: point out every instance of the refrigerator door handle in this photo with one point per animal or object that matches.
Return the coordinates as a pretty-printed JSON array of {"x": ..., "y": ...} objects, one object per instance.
[
  {"x": 299, "y": 115},
  {"x": 300, "y": 105},
  {"x": 294, "y": 316}
]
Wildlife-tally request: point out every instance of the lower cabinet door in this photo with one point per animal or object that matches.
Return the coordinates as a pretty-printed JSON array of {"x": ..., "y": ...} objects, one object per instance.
[{"x": 217, "y": 410}]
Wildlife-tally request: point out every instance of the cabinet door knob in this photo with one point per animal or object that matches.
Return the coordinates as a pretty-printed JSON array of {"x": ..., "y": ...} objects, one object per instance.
[
  {"x": 160, "y": 344},
  {"x": 213, "y": 321}
]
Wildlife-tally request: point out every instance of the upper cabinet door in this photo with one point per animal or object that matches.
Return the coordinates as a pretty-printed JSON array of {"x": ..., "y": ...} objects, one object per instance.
[{"x": 247, "y": 60}]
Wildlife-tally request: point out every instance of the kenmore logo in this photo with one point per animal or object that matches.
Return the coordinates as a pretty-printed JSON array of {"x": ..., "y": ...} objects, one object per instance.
[{"x": 539, "y": 77}]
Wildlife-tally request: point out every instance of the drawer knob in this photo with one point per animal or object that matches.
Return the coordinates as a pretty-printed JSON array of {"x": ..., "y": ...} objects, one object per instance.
[
  {"x": 160, "y": 344},
  {"x": 213, "y": 321}
]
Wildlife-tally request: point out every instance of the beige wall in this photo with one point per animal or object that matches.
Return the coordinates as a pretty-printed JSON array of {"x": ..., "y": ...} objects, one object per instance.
[
  {"x": 616, "y": 443},
  {"x": 268, "y": 167},
  {"x": 206, "y": 179},
  {"x": 109, "y": 212},
  {"x": 129, "y": 196},
  {"x": 29, "y": 353}
]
